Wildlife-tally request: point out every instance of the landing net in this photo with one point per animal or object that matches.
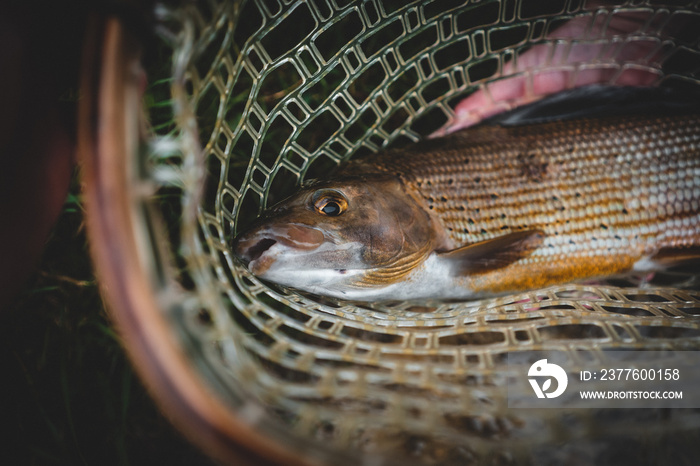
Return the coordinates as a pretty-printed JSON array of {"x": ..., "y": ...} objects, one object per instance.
[{"x": 266, "y": 94}]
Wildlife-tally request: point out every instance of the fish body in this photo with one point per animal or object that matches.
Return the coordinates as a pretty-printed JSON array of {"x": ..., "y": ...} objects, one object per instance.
[{"x": 542, "y": 195}]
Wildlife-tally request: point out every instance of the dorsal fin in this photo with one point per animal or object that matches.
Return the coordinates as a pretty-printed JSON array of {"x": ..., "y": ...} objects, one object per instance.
[
  {"x": 598, "y": 101},
  {"x": 494, "y": 253}
]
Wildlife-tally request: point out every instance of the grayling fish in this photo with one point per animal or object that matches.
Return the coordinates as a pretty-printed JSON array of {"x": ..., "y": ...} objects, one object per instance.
[{"x": 587, "y": 183}]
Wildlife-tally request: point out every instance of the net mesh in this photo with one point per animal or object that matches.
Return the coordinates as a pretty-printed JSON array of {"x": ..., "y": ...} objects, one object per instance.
[{"x": 266, "y": 94}]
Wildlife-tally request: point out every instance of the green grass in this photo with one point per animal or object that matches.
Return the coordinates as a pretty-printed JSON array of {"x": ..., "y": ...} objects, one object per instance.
[{"x": 69, "y": 394}]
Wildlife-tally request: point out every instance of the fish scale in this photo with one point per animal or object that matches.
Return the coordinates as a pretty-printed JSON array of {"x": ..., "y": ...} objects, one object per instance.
[
  {"x": 608, "y": 193},
  {"x": 591, "y": 185}
]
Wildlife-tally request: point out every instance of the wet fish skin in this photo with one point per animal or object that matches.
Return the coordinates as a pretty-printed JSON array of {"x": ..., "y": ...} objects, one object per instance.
[
  {"x": 605, "y": 192},
  {"x": 503, "y": 207}
]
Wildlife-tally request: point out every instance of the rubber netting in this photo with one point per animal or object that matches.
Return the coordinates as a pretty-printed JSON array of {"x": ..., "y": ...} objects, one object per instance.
[{"x": 269, "y": 93}]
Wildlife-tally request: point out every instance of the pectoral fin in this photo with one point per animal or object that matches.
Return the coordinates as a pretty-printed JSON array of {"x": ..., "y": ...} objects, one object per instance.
[{"x": 494, "y": 253}]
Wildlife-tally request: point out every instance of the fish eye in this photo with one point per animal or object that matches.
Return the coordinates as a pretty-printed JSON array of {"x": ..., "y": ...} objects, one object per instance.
[{"x": 330, "y": 203}]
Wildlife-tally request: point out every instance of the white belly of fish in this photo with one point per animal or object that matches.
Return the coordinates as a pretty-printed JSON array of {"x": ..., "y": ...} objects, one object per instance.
[{"x": 431, "y": 279}]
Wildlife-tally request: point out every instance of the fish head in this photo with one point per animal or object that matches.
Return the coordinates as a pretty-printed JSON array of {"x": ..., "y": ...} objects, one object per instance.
[{"x": 333, "y": 237}]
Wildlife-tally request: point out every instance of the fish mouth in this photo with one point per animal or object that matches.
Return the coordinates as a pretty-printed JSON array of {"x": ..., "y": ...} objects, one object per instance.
[
  {"x": 257, "y": 250},
  {"x": 254, "y": 248},
  {"x": 252, "y": 251}
]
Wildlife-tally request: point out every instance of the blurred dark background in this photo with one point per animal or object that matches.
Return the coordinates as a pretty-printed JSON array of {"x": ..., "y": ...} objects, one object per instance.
[{"x": 68, "y": 395}]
